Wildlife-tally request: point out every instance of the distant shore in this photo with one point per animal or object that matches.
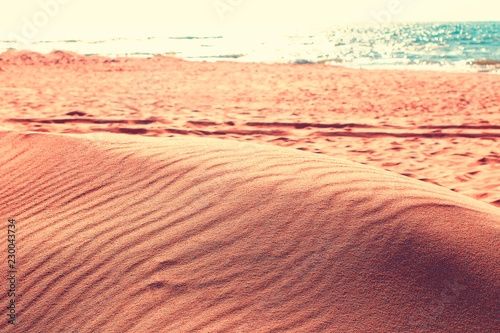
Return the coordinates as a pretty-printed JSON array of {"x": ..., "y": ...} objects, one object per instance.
[{"x": 455, "y": 47}]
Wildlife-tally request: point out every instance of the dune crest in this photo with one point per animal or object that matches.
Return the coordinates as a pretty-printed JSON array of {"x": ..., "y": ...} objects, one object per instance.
[{"x": 132, "y": 234}]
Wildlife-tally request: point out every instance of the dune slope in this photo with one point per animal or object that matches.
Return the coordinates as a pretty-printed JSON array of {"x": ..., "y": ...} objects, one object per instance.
[{"x": 122, "y": 233}]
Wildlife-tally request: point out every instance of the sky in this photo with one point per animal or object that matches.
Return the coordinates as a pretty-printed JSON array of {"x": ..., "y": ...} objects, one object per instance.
[{"x": 25, "y": 17}]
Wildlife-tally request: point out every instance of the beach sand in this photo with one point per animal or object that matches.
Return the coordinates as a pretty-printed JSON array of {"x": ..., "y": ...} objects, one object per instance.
[
  {"x": 442, "y": 128},
  {"x": 132, "y": 218}
]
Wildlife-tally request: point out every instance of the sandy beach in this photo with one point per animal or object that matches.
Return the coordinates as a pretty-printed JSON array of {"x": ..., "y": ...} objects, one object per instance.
[
  {"x": 442, "y": 128},
  {"x": 132, "y": 218}
]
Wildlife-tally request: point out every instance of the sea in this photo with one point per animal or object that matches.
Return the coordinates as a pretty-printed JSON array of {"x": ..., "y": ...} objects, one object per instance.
[{"x": 442, "y": 46}]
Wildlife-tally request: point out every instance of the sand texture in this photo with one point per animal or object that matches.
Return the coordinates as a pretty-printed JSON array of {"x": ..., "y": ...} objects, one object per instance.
[
  {"x": 442, "y": 128},
  {"x": 131, "y": 234},
  {"x": 134, "y": 216}
]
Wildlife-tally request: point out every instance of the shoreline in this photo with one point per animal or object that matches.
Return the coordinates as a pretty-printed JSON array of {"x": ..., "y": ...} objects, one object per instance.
[
  {"x": 439, "y": 127},
  {"x": 488, "y": 66}
]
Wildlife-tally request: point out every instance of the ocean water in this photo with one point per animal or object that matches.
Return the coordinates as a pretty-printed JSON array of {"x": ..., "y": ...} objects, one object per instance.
[{"x": 449, "y": 46}]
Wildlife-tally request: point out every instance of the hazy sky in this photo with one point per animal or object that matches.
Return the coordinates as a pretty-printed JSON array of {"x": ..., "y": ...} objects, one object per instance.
[{"x": 98, "y": 14}]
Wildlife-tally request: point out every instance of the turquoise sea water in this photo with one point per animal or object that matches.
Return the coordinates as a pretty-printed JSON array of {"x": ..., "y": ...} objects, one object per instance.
[{"x": 450, "y": 46}]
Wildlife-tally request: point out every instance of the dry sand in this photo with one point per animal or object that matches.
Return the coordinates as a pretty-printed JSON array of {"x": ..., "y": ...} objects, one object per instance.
[
  {"x": 125, "y": 233},
  {"x": 442, "y": 128}
]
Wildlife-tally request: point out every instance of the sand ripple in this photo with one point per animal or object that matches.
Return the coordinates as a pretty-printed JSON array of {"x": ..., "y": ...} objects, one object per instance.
[{"x": 132, "y": 234}]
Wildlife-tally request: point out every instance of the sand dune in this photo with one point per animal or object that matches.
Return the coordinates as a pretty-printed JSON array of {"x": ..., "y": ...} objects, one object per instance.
[{"x": 122, "y": 233}]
